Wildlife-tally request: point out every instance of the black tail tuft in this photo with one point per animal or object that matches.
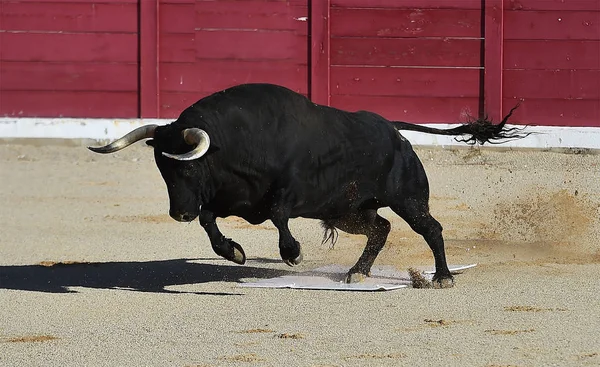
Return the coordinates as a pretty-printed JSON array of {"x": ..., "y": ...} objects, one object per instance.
[{"x": 482, "y": 130}]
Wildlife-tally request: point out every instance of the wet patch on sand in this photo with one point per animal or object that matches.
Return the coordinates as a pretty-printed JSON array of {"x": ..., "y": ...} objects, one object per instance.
[
  {"x": 30, "y": 339},
  {"x": 375, "y": 356},
  {"x": 531, "y": 309},
  {"x": 249, "y": 357},
  {"x": 159, "y": 218},
  {"x": 256, "y": 331},
  {"x": 508, "y": 332},
  {"x": 290, "y": 336}
]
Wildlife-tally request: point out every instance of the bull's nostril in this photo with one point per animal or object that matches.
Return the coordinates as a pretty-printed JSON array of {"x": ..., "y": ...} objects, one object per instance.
[{"x": 182, "y": 217}]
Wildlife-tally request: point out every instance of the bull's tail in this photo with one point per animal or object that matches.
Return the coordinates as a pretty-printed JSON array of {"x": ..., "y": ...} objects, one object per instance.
[{"x": 477, "y": 131}]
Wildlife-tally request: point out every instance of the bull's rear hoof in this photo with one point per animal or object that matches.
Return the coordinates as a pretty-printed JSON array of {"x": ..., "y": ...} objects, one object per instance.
[
  {"x": 355, "y": 277},
  {"x": 294, "y": 262},
  {"x": 443, "y": 282}
]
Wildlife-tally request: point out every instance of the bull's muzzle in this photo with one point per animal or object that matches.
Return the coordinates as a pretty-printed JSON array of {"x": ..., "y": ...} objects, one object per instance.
[{"x": 182, "y": 217}]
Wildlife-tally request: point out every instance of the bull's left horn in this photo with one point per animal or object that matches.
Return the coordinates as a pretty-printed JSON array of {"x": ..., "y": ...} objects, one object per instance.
[
  {"x": 143, "y": 132},
  {"x": 193, "y": 136}
]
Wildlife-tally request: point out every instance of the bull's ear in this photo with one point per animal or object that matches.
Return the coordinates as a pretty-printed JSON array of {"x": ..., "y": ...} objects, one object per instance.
[{"x": 150, "y": 142}]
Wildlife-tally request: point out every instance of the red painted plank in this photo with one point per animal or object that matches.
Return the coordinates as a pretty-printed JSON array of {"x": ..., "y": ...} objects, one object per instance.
[
  {"x": 110, "y": 47},
  {"x": 27, "y": 76},
  {"x": 180, "y": 47},
  {"x": 555, "y": 112},
  {"x": 563, "y": 84},
  {"x": 177, "y": 18},
  {"x": 408, "y": 4},
  {"x": 213, "y": 75},
  {"x": 161, "y": 2},
  {"x": 250, "y": 45},
  {"x": 493, "y": 59},
  {"x": 176, "y": 2},
  {"x": 405, "y": 82},
  {"x": 406, "y": 52},
  {"x": 405, "y": 23},
  {"x": 320, "y": 52},
  {"x": 252, "y": 14},
  {"x": 173, "y": 103},
  {"x": 68, "y": 104},
  {"x": 149, "y": 79},
  {"x": 547, "y": 25},
  {"x": 77, "y": 1},
  {"x": 412, "y": 109},
  {"x": 551, "y": 54},
  {"x": 76, "y": 17},
  {"x": 552, "y": 5}
]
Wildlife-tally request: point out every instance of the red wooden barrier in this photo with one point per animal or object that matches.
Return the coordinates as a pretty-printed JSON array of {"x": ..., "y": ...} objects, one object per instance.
[
  {"x": 69, "y": 58},
  {"x": 552, "y": 61},
  {"x": 493, "y": 58},
  {"x": 415, "y": 60},
  {"x": 320, "y": 52},
  {"x": 206, "y": 46},
  {"x": 149, "y": 44}
]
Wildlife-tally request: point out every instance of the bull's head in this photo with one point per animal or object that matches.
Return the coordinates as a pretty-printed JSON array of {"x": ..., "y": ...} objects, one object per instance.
[{"x": 179, "y": 170}]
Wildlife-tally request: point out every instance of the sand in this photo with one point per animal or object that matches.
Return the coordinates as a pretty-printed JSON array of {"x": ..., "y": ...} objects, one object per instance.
[{"x": 94, "y": 272}]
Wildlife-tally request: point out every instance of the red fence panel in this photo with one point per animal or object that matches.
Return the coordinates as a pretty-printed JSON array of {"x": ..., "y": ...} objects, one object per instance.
[
  {"x": 69, "y": 58},
  {"x": 413, "y": 60},
  {"x": 206, "y": 46},
  {"x": 416, "y": 61},
  {"x": 552, "y": 61}
]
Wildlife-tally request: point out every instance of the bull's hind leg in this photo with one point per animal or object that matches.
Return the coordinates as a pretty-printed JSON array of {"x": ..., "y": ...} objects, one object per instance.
[
  {"x": 222, "y": 246},
  {"x": 375, "y": 227},
  {"x": 416, "y": 213}
]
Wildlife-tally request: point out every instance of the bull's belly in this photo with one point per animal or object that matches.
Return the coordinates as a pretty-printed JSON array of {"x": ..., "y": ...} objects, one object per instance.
[
  {"x": 317, "y": 204},
  {"x": 335, "y": 208}
]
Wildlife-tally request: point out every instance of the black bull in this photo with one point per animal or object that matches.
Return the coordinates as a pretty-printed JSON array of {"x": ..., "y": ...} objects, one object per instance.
[{"x": 263, "y": 152}]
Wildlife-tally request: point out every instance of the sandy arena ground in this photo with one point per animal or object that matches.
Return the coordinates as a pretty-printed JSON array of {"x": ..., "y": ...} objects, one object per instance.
[{"x": 93, "y": 272}]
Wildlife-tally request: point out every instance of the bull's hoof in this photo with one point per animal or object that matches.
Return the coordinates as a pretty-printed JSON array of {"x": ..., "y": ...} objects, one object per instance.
[
  {"x": 446, "y": 281},
  {"x": 291, "y": 257},
  {"x": 239, "y": 257},
  {"x": 355, "y": 278},
  {"x": 294, "y": 262}
]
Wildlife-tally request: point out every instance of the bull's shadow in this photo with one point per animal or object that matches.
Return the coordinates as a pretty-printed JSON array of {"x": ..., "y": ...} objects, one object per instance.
[{"x": 147, "y": 276}]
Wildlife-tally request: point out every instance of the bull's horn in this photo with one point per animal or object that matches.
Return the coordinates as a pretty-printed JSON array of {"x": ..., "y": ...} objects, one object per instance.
[
  {"x": 143, "y": 132},
  {"x": 193, "y": 136}
]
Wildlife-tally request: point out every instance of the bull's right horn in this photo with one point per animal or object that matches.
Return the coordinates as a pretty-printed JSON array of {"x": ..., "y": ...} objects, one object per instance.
[
  {"x": 143, "y": 132},
  {"x": 196, "y": 137}
]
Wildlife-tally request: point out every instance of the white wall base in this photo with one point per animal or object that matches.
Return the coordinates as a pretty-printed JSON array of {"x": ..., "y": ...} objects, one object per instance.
[{"x": 543, "y": 137}]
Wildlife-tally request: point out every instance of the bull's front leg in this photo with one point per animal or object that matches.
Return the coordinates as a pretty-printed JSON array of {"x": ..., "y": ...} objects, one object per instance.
[
  {"x": 289, "y": 248},
  {"x": 224, "y": 247}
]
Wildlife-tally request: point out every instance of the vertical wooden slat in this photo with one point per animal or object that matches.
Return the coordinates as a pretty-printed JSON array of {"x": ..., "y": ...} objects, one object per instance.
[
  {"x": 319, "y": 51},
  {"x": 148, "y": 23},
  {"x": 493, "y": 59}
]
